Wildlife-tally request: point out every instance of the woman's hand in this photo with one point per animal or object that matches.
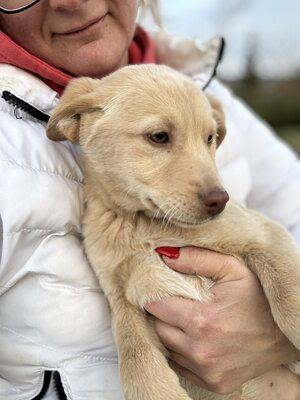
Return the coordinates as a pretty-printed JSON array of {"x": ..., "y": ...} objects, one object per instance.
[{"x": 228, "y": 341}]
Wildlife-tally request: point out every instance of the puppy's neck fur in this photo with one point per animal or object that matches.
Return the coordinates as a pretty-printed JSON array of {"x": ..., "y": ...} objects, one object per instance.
[
  {"x": 115, "y": 227},
  {"x": 112, "y": 230}
]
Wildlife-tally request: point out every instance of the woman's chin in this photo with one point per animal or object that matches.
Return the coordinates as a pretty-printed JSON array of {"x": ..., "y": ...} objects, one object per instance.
[{"x": 90, "y": 60}]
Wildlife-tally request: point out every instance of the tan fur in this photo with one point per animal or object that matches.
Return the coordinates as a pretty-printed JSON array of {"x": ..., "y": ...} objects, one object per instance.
[{"x": 140, "y": 195}]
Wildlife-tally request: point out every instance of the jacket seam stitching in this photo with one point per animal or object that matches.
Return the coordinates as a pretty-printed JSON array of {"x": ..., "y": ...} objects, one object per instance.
[
  {"x": 26, "y": 230},
  {"x": 73, "y": 289},
  {"x": 72, "y": 355},
  {"x": 49, "y": 172},
  {"x": 62, "y": 232},
  {"x": 13, "y": 332}
]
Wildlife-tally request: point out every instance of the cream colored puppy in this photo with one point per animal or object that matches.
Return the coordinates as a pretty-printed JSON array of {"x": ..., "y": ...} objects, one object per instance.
[{"x": 148, "y": 138}]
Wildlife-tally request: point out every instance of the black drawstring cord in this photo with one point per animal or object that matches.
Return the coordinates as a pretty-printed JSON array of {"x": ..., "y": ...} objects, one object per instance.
[{"x": 20, "y": 104}]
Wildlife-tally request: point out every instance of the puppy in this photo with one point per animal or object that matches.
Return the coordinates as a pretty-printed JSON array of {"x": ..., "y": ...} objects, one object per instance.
[{"x": 148, "y": 138}]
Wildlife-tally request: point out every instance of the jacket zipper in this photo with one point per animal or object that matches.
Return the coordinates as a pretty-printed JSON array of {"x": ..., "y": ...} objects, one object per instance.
[{"x": 58, "y": 387}]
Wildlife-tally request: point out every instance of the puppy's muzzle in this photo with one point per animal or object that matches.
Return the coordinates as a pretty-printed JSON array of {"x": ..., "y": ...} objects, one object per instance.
[{"x": 214, "y": 201}]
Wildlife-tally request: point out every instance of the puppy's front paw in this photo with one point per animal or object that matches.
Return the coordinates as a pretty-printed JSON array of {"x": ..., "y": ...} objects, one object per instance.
[{"x": 146, "y": 375}]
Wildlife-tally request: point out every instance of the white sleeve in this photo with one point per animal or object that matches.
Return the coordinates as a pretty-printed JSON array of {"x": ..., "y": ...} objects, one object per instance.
[{"x": 273, "y": 166}]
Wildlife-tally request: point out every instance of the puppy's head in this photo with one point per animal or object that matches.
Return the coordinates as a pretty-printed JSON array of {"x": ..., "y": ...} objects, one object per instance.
[{"x": 148, "y": 138}]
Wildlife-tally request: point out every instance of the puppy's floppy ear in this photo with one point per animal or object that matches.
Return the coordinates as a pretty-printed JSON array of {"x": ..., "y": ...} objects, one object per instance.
[
  {"x": 79, "y": 97},
  {"x": 219, "y": 117}
]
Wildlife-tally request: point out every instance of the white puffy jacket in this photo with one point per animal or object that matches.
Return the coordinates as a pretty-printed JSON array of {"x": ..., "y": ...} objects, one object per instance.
[{"x": 53, "y": 315}]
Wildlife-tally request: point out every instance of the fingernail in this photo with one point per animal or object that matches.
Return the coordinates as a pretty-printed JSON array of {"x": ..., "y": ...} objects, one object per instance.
[{"x": 170, "y": 252}]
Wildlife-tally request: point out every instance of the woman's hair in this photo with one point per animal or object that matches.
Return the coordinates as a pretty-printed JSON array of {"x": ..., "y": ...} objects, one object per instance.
[{"x": 152, "y": 7}]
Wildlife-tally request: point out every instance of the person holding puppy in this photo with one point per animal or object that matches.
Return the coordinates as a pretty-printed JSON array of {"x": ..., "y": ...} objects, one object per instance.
[{"x": 53, "y": 315}]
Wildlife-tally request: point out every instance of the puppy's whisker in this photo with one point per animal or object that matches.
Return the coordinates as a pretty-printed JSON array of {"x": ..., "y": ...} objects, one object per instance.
[
  {"x": 165, "y": 220},
  {"x": 172, "y": 215},
  {"x": 165, "y": 216},
  {"x": 158, "y": 211},
  {"x": 154, "y": 216}
]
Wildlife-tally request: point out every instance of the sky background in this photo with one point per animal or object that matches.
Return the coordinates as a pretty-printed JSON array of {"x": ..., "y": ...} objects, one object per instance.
[{"x": 268, "y": 28}]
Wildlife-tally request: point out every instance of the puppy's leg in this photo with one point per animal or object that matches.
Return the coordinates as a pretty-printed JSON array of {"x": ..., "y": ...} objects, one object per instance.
[
  {"x": 144, "y": 369},
  {"x": 278, "y": 269}
]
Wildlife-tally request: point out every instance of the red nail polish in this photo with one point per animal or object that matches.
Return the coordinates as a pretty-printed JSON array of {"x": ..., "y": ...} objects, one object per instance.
[{"x": 170, "y": 252}]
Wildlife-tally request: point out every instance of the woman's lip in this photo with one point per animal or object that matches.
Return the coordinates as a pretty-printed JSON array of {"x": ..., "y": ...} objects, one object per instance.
[{"x": 82, "y": 28}]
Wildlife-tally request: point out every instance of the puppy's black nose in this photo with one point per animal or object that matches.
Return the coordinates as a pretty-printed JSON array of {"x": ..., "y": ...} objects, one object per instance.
[{"x": 214, "y": 201}]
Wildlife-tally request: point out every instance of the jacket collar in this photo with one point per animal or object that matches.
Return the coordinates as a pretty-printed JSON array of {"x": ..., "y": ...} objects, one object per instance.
[{"x": 190, "y": 56}]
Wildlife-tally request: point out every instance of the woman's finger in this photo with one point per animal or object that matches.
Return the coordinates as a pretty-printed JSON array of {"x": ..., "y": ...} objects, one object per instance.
[
  {"x": 173, "y": 338},
  {"x": 175, "y": 311},
  {"x": 208, "y": 263}
]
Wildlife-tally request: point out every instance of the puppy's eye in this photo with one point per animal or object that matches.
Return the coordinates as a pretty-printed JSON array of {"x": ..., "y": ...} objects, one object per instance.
[
  {"x": 159, "y": 137},
  {"x": 210, "y": 139}
]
